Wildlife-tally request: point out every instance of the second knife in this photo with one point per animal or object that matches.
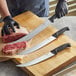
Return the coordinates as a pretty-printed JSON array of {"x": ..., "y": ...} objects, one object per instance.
[{"x": 46, "y": 41}]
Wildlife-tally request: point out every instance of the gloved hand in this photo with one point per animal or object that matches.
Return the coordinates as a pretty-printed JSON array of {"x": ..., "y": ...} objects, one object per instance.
[
  {"x": 61, "y": 8},
  {"x": 9, "y": 23}
]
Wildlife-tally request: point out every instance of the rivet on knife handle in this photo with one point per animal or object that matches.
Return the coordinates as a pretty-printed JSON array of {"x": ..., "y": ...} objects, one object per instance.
[
  {"x": 60, "y": 31},
  {"x": 60, "y": 48}
]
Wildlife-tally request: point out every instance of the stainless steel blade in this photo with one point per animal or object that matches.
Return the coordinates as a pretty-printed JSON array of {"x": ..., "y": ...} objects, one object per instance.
[
  {"x": 40, "y": 45},
  {"x": 46, "y": 41},
  {"x": 46, "y": 56},
  {"x": 37, "y": 60},
  {"x": 34, "y": 32}
]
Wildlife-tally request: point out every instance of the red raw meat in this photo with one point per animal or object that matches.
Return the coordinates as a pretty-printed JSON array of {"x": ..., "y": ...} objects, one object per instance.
[
  {"x": 14, "y": 48},
  {"x": 12, "y": 37},
  {"x": 10, "y": 49}
]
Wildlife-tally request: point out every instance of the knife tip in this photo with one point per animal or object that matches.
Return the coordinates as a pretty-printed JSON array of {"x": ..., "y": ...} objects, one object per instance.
[{"x": 19, "y": 66}]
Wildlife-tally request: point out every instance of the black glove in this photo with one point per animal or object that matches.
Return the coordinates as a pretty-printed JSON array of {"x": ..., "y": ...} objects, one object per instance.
[
  {"x": 61, "y": 9},
  {"x": 9, "y": 23}
]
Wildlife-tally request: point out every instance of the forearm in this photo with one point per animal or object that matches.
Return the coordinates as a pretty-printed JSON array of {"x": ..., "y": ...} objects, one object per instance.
[{"x": 4, "y": 9}]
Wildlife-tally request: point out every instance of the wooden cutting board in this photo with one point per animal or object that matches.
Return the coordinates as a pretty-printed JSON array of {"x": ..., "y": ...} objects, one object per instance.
[{"x": 51, "y": 65}]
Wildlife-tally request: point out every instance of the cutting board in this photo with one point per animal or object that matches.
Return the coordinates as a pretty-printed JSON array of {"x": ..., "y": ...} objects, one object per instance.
[{"x": 51, "y": 65}]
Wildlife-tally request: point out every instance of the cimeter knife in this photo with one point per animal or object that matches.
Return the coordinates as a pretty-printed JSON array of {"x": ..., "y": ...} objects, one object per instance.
[
  {"x": 37, "y": 30},
  {"x": 46, "y": 56},
  {"x": 45, "y": 42}
]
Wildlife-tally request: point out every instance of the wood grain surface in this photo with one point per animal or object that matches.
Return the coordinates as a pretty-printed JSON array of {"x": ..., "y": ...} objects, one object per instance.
[{"x": 51, "y": 65}]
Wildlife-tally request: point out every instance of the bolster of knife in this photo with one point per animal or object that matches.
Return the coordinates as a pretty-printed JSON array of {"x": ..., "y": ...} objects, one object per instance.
[
  {"x": 52, "y": 18},
  {"x": 60, "y": 48},
  {"x": 60, "y": 32}
]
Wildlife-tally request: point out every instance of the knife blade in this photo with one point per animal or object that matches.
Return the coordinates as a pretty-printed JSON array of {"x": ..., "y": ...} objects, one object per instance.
[
  {"x": 46, "y": 41},
  {"x": 46, "y": 56},
  {"x": 37, "y": 30}
]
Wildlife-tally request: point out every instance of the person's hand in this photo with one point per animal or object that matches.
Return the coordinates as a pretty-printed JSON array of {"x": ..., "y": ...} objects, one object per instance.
[
  {"x": 61, "y": 8},
  {"x": 9, "y": 23}
]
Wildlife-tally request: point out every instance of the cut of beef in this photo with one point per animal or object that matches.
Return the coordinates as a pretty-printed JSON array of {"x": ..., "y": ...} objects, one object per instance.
[
  {"x": 12, "y": 37},
  {"x": 15, "y": 48}
]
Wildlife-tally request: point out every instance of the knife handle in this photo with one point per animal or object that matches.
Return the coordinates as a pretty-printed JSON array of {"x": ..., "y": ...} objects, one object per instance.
[
  {"x": 52, "y": 18},
  {"x": 60, "y": 32},
  {"x": 60, "y": 48}
]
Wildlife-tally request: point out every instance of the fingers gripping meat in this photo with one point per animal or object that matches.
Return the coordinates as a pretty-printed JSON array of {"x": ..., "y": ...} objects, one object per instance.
[{"x": 14, "y": 36}]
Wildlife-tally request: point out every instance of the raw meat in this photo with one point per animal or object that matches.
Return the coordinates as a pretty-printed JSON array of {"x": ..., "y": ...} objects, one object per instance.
[
  {"x": 12, "y": 37},
  {"x": 14, "y": 48}
]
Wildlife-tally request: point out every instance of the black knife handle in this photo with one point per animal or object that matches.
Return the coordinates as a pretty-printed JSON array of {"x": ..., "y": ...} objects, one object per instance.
[
  {"x": 60, "y": 32},
  {"x": 60, "y": 48},
  {"x": 52, "y": 18}
]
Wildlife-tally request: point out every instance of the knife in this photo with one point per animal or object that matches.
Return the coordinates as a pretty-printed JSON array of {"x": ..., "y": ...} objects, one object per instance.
[
  {"x": 46, "y": 41},
  {"x": 37, "y": 30},
  {"x": 46, "y": 56}
]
